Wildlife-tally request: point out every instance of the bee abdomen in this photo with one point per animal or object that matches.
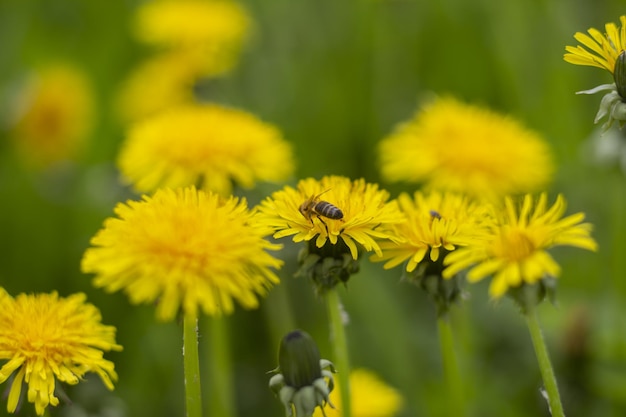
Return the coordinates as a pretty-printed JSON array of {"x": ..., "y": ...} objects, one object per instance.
[{"x": 324, "y": 208}]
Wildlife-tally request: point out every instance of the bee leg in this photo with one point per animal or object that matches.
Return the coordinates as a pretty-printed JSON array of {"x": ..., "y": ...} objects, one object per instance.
[{"x": 324, "y": 223}]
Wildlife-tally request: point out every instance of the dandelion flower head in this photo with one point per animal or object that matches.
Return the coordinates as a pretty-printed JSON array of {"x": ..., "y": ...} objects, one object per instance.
[
  {"x": 602, "y": 49},
  {"x": 370, "y": 397},
  {"x": 465, "y": 148},
  {"x": 185, "y": 249},
  {"x": 516, "y": 249},
  {"x": 54, "y": 116},
  {"x": 437, "y": 223},
  {"x": 215, "y": 28},
  {"x": 45, "y": 338},
  {"x": 207, "y": 144},
  {"x": 366, "y": 213}
]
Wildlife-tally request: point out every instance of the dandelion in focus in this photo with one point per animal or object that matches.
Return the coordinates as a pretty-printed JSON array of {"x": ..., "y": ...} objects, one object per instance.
[
  {"x": 436, "y": 224},
  {"x": 45, "y": 338},
  {"x": 207, "y": 145},
  {"x": 516, "y": 255},
  {"x": 602, "y": 49},
  {"x": 606, "y": 51},
  {"x": 371, "y": 396},
  {"x": 184, "y": 249},
  {"x": 53, "y": 115},
  {"x": 366, "y": 211},
  {"x": 450, "y": 145},
  {"x": 515, "y": 251}
]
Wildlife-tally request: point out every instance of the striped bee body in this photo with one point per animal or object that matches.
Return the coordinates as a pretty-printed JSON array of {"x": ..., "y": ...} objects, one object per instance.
[
  {"x": 313, "y": 206},
  {"x": 324, "y": 208}
]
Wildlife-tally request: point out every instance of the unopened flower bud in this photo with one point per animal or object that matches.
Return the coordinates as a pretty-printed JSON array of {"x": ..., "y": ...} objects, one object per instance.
[{"x": 619, "y": 74}]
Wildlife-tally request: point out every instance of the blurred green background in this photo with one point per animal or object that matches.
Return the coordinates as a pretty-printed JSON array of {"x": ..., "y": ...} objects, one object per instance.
[{"x": 336, "y": 76}]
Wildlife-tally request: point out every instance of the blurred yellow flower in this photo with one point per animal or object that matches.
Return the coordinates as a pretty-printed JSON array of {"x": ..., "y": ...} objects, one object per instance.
[
  {"x": 603, "y": 49},
  {"x": 44, "y": 338},
  {"x": 209, "y": 145},
  {"x": 159, "y": 83},
  {"x": 436, "y": 224},
  {"x": 215, "y": 29},
  {"x": 185, "y": 249},
  {"x": 469, "y": 149},
  {"x": 515, "y": 251},
  {"x": 54, "y": 112},
  {"x": 370, "y": 397},
  {"x": 366, "y": 213}
]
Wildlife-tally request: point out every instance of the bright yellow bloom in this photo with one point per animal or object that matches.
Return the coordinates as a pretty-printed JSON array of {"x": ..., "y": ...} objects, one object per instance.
[
  {"x": 436, "y": 223},
  {"x": 370, "y": 397},
  {"x": 464, "y": 148},
  {"x": 54, "y": 115},
  {"x": 366, "y": 213},
  {"x": 44, "y": 338},
  {"x": 216, "y": 29},
  {"x": 159, "y": 83},
  {"x": 204, "y": 144},
  {"x": 184, "y": 249},
  {"x": 603, "y": 49},
  {"x": 515, "y": 251}
]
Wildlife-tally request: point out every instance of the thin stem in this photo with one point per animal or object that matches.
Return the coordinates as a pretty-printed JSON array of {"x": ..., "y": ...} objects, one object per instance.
[
  {"x": 191, "y": 364},
  {"x": 221, "y": 394},
  {"x": 545, "y": 366},
  {"x": 341, "y": 359},
  {"x": 456, "y": 401}
]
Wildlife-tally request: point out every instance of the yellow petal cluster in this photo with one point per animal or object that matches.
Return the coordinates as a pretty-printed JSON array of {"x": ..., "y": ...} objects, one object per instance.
[
  {"x": 54, "y": 114},
  {"x": 516, "y": 248},
  {"x": 209, "y": 145},
  {"x": 451, "y": 145},
  {"x": 367, "y": 213},
  {"x": 602, "y": 48},
  {"x": 45, "y": 338},
  {"x": 184, "y": 249},
  {"x": 436, "y": 223}
]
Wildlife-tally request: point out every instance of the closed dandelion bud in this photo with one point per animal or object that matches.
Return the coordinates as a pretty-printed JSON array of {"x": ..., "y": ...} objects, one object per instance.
[
  {"x": 303, "y": 381},
  {"x": 619, "y": 74},
  {"x": 299, "y": 359}
]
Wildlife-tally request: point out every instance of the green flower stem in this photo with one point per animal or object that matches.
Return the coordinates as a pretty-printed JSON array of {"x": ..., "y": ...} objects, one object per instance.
[
  {"x": 191, "y": 364},
  {"x": 456, "y": 401},
  {"x": 221, "y": 394},
  {"x": 340, "y": 343},
  {"x": 278, "y": 313},
  {"x": 547, "y": 373}
]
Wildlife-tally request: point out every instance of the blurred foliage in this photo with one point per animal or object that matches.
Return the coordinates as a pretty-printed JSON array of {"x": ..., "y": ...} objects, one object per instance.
[{"x": 336, "y": 76}]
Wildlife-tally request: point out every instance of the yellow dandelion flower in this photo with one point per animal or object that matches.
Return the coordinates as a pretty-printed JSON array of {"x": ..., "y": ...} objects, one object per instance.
[
  {"x": 204, "y": 144},
  {"x": 45, "y": 338},
  {"x": 437, "y": 223},
  {"x": 54, "y": 117},
  {"x": 370, "y": 397},
  {"x": 363, "y": 216},
  {"x": 602, "y": 49},
  {"x": 217, "y": 29},
  {"x": 454, "y": 146},
  {"x": 515, "y": 251},
  {"x": 186, "y": 249},
  {"x": 159, "y": 83}
]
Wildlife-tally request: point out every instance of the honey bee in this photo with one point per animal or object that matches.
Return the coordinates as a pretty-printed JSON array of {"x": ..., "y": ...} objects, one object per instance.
[{"x": 313, "y": 206}]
